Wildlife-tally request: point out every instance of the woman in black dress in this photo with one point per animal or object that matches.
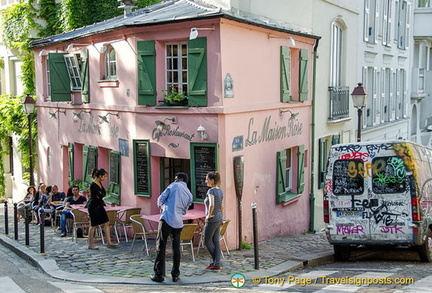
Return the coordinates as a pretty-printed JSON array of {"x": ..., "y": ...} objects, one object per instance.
[{"x": 97, "y": 213}]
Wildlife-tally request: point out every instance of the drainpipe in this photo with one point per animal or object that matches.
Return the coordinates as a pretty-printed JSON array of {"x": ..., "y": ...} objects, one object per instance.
[{"x": 312, "y": 195}]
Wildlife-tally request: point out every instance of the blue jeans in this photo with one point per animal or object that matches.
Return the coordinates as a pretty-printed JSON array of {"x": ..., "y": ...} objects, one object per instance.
[
  {"x": 212, "y": 242},
  {"x": 63, "y": 217}
]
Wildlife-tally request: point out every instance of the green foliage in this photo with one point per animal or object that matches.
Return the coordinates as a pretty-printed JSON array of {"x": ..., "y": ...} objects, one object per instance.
[
  {"x": 49, "y": 11},
  {"x": 19, "y": 21}
]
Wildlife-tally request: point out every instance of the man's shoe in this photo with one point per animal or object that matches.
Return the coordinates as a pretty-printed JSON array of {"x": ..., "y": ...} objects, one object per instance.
[
  {"x": 214, "y": 268},
  {"x": 63, "y": 235},
  {"x": 157, "y": 278},
  {"x": 175, "y": 279}
]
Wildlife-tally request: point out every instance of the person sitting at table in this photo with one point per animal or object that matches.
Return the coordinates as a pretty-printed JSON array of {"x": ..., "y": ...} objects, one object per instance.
[
  {"x": 96, "y": 210},
  {"x": 56, "y": 195},
  {"x": 35, "y": 203},
  {"x": 213, "y": 219},
  {"x": 174, "y": 202},
  {"x": 26, "y": 202},
  {"x": 45, "y": 204},
  {"x": 75, "y": 198}
]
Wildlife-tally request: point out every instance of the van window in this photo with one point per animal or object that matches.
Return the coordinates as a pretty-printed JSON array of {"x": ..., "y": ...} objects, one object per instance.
[
  {"x": 389, "y": 175},
  {"x": 348, "y": 177}
]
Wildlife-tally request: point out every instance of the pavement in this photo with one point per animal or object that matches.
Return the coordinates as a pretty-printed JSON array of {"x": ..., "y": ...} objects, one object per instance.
[{"x": 70, "y": 260}]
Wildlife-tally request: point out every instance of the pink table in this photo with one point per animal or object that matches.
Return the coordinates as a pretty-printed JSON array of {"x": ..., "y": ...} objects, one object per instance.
[{"x": 190, "y": 215}]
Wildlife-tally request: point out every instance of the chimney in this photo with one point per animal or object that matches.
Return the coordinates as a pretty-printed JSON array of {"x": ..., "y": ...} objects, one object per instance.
[{"x": 127, "y": 5}]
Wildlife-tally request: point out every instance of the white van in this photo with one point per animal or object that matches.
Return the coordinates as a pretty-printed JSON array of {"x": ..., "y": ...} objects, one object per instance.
[{"x": 379, "y": 193}]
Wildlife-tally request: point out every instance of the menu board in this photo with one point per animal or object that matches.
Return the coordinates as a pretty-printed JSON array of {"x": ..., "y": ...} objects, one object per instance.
[
  {"x": 114, "y": 167},
  {"x": 142, "y": 167},
  {"x": 346, "y": 179},
  {"x": 203, "y": 160}
]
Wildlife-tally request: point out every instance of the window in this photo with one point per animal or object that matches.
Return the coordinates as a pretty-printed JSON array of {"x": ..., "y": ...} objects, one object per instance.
[
  {"x": 348, "y": 177},
  {"x": 403, "y": 37},
  {"x": 176, "y": 67},
  {"x": 110, "y": 63},
  {"x": 73, "y": 65},
  {"x": 294, "y": 87},
  {"x": 323, "y": 153},
  {"x": 186, "y": 67},
  {"x": 386, "y": 22},
  {"x": 290, "y": 174},
  {"x": 388, "y": 175},
  {"x": 423, "y": 4},
  {"x": 371, "y": 20},
  {"x": 336, "y": 55}
]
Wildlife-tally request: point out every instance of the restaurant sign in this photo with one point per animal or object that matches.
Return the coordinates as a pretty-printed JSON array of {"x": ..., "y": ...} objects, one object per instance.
[{"x": 270, "y": 131}]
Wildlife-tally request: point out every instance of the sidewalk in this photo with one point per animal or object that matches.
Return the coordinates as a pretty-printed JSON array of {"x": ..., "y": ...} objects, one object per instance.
[{"x": 68, "y": 260}]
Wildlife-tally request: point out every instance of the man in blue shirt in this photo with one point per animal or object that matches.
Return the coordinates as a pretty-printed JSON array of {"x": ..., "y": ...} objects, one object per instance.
[{"x": 174, "y": 203}]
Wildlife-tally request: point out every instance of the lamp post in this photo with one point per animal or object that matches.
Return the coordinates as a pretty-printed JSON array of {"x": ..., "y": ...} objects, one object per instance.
[
  {"x": 29, "y": 106},
  {"x": 359, "y": 99}
]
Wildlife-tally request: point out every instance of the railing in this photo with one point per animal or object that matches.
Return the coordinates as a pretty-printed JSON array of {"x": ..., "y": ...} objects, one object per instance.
[{"x": 339, "y": 102}]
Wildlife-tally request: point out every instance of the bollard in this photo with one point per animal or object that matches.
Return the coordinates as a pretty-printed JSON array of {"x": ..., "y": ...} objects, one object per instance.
[
  {"x": 255, "y": 235},
  {"x": 42, "y": 231},
  {"x": 15, "y": 220},
  {"x": 6, "y": 217},
  {"x": 26, "y": 223}
]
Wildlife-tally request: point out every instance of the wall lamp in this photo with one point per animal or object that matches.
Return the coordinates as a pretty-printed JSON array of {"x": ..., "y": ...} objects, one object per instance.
[
  {"x": 194, "y": 31},
  {"x": 104, "y": 118},
  {"x": 161, "y": 125},
  {"x": 78, "y": 115},
  {"x": 103, "y": 46},
  {"x": 53, "y": 114},
  {"x": 71, "y": 45},
  {"x": 292, "y": 41},
  {"x": 293, "y": 115},
  {"x": 202, "y": 133}
]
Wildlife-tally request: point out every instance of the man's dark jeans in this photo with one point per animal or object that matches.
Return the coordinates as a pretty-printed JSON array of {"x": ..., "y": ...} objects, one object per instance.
[{"x": 164, "y": 231}]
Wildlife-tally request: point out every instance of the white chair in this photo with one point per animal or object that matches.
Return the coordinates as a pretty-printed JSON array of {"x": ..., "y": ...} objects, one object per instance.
[
  {"x": 139, "y": 230},
  {"x": 123, "y": 219}
]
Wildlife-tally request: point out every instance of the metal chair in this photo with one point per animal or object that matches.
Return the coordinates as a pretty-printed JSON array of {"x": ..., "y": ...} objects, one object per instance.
[
  {"x": 112, "y": 217},
  {"x": 223, "y": 229},
  {"x": 187, "y": 236},
  {"x": 80, "y": 220},
  {"x": 139, "y": 230},
  {"x": 123, "y": 219}
]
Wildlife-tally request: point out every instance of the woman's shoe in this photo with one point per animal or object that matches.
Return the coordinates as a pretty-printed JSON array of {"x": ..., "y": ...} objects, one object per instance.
[{"x": 112, "y": 245}]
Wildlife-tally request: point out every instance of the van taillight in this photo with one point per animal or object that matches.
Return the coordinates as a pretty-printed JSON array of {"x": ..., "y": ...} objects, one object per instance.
[
  {"x": 326, "y": 211},
  {"x": 416, "y": 214}
]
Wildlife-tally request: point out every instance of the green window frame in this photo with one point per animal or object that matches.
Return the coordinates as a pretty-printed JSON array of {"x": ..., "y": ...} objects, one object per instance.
[
  {"x": 142, "y": 167},
  {"x": 113, "y": 190},
  {"x": 146, "y": 54},
  {"x": 90, "y": 158},
  {"x": 282, "y": 182}
]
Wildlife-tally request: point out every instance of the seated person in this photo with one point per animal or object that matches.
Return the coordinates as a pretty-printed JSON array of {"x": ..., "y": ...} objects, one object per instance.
[
  {"x": 56, "y": 195},
  {"x": 45, "y": 203},
  {"x": 26, "y": 203},
  {"x": 76, "y": 198}
]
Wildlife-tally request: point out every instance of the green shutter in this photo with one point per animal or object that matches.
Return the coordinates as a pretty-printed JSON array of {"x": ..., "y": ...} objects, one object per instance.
[
  {"x": 113, "y": 191},
  {"x": 197, "y": 72},
  {"x": 300, "y": 169},
  {"x": 146, "y": 73},
  {"x": 335, "y": 139},
  {"x": 59, "y": 78},
  {"x": 285, "y": 73},
  {"x": 281, "y": 176},
  {"x": 89, "y": 162},
  {"x": 304, "y": 83},
  {"x": 71, "y": 161},
  {"x": 84, "y": 76}
]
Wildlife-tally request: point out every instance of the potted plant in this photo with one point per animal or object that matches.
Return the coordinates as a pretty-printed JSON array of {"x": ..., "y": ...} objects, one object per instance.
[{"x": 173, "y": 97}]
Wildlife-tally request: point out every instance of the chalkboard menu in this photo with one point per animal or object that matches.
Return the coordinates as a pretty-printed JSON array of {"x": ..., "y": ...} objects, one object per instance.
[
  {"x": 347, "y": 177},
  {"x": 114, "y": 167},
  {"x": 203, "y": 159},
  {"x": 142, "y": 166}
]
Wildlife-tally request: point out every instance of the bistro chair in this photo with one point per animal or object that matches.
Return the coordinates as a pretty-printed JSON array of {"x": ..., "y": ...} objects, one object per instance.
[
  {"x": 112, "y": 217},
  {"x": 140, "y": 230},
  {"x": 223, "y": 229},
  {"x": 80, "y": 220},
  {"x": 123, "y": 219},
  {"x": 187, "y": 237}
]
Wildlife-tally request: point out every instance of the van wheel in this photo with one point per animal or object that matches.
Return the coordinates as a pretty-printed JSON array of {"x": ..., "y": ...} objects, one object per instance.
[
  {"x": 424, "y": 250},
  {"x": 341, "y": 252}
]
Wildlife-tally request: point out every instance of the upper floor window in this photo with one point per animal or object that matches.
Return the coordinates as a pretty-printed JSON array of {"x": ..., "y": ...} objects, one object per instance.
[
  {"x": 110, "y": 63},
  {"x": 403, "y": 10},
  {"x": 294, "y": 81},
  {"x": 73, "y": 65},
  {"x": 336, "y": 55},
  {"x": 290, "y": 173},
  {"x": 371, "y": 21},
  {"x": 386, "y": 22},
  {"x": 176, "y": 67},
  {"x": 424, "y": 4}
]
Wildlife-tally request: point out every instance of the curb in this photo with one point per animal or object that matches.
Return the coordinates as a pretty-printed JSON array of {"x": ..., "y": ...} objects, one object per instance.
[{"x": 50, "y": 267}]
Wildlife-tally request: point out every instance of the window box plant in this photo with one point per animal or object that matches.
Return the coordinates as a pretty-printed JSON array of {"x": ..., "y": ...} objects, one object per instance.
[{"x": 172, "y": 97}]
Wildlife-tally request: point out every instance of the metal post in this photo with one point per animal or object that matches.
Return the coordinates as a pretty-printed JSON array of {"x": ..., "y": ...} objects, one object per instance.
[
  {"x": 359, "y": 115},
  {"x": 6, "y": 217},
  {"x": 30, "y": 150},
  {"x": 15, "y": 220},
  {"x": 255, "y": 235},
  {"x": 42, "y": 231},
  {"x": 26, "y": 223},
  {"x": 240, "y": 224}
]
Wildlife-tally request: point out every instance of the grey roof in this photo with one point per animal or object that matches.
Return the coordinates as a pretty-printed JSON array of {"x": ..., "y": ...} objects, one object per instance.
[{"x": 164, "y": 12}]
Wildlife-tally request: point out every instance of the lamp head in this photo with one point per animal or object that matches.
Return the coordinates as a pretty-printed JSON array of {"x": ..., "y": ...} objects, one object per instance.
[{"x": 359, "y": 96}]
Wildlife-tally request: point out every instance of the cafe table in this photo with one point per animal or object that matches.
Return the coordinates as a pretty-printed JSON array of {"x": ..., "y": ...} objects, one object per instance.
[{"x": 193, "y": 214}]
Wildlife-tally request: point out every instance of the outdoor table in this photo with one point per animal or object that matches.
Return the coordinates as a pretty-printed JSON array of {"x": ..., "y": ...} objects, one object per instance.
[{"x": 193, "y": 214}]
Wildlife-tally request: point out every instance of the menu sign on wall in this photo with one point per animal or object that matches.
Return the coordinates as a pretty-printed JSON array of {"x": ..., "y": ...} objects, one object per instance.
[
  {"x": 141, "y": 150},
  {"x": 203, "y": 160}
]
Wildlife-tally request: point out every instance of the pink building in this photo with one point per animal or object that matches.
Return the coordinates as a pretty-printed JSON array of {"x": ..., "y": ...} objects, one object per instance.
[{"x": 100, "y": 100}]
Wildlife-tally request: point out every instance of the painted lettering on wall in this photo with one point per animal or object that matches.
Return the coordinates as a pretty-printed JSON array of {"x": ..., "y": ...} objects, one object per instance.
[
  {"x": 270, "y": 131},
  {"x": 92, "y": 127},
  {"x": 167, "y": 131}
]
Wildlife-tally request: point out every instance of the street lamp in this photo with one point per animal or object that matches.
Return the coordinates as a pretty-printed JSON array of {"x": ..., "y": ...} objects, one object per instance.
[
  {"x": 29, "y": 106},
  {"x": 359, "y": 99}
]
